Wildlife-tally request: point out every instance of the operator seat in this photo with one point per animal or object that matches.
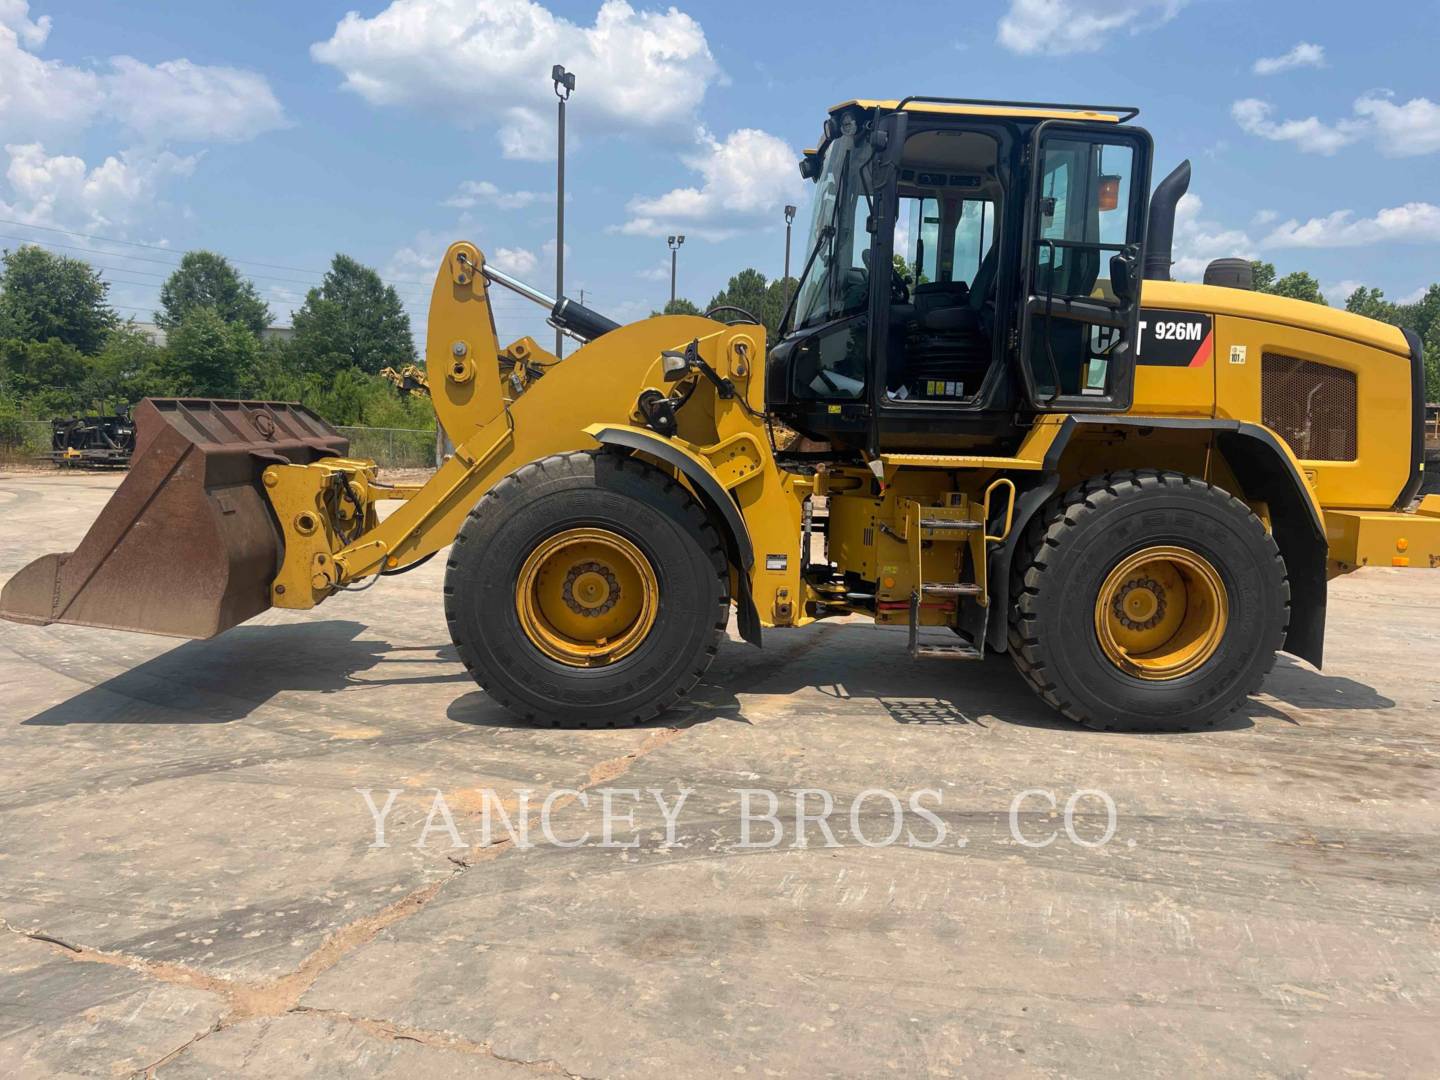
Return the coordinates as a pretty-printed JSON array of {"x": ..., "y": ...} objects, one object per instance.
[{"x": 949, "y": 341}]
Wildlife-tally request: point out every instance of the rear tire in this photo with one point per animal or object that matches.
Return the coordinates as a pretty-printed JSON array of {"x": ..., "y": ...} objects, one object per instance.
[
  {"x": 1147, "y": 601},
  {"x": 587, "y": 590}
]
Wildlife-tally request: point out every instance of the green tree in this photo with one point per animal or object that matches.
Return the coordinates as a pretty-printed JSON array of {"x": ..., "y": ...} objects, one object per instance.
[
  {"x": 206, "y": 356},
  {"x": 1372, "y": 304},
  {"x": 1422, "y": 315},
  {"x": 45, "y": 375},
  {"x": 746, "y": 290},
  {"x": 777, "y": 298},
  {"x": 207, "y": 280},
  {"x": 44, "y": 296},
  {"x": 1299, "y": 286},
  {"x": 1432, "y": 364},
  {"x": 353, "y": 320},
  {"x": 909, "y": 272},
  {"x": 680, "y": 306},
  {"x": 128, "y": 368}
]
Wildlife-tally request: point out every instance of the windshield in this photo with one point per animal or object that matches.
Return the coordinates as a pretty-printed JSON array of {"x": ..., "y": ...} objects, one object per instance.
[{"x": 838, "y": 280}]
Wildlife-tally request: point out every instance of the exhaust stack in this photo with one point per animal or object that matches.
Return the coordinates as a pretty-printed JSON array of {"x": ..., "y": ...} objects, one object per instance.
[{"x": 1160, "y": 240}]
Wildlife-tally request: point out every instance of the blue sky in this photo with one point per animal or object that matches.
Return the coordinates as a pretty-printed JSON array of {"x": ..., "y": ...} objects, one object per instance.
[{"x": 279, "y": 133}]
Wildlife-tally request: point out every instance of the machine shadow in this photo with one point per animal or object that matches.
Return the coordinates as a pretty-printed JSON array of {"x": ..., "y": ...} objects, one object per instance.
[
  {"x": 1298, "y": 684},
  {"x": 226, "y": 678},
  {"x": 846, "y": 662}
]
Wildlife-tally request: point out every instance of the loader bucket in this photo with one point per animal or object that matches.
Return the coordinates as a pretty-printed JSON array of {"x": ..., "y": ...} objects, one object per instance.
[{"x": 187, "y": 546}]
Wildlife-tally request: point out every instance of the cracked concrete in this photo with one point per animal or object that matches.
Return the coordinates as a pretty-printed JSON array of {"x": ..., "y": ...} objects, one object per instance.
[{"x": 190, "y": 888}]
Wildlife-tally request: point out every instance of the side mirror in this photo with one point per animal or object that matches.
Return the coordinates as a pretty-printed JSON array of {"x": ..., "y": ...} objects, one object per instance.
[{"x": 1122, "y": 277}]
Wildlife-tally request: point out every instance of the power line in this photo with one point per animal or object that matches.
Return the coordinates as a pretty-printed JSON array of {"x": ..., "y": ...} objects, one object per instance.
[{"x": 158, "y": 247}]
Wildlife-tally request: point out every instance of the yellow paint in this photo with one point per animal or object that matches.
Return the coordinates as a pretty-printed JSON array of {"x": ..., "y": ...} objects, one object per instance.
[
  {"x": 940, "y": 108},
  {"x": 1161, "y": 613},
  {"x": 504, "y": 408},
  {"x": 1372, "y": 537},
  {"x": 587, "y": 597}
]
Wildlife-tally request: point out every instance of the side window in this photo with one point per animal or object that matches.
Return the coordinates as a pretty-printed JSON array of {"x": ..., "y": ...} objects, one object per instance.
[
  {"x": 831, "y": 364},
  {"x": 974, "y": 236},
  {"x": 943, "y": 240}
]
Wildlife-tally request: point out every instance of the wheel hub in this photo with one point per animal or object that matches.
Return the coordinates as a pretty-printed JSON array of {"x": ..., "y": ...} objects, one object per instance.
[
  {"x": 1140, "y": 604},
  {"x": 1161, "y": 613},
  {"x": 591, "y": 589},
  {"x": 587, "y": 597}
]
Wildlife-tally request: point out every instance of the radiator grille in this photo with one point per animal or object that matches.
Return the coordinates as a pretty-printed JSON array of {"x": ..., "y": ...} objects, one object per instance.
[{"x": 1311, "y": 406}]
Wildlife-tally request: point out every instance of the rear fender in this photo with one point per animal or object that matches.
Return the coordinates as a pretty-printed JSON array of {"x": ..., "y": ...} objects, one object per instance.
[{"x": 1267, "y": 472}]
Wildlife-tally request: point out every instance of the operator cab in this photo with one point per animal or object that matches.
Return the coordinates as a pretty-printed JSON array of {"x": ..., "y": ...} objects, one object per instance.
[{"x": 968, "y": 263}]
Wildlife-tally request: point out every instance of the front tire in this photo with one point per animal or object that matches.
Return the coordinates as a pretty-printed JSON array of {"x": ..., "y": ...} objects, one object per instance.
[
  {"x": 1147, "y": 601},
  {"x": 587, "y": 590}
]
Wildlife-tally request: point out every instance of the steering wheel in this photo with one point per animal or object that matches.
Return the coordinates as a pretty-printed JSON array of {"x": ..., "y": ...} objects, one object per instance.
[{"x": 899, "y": 290}]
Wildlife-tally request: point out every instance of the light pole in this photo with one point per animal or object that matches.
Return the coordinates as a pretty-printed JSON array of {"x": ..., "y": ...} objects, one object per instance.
[
  {"x": 675, "y": 242},
  {"x": 789, "y": 220},
  {"x": 564, "y": 84}
]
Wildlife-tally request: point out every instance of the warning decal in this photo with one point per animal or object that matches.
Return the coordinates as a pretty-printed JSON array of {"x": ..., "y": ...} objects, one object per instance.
[{"x": 1175, "y": 338}]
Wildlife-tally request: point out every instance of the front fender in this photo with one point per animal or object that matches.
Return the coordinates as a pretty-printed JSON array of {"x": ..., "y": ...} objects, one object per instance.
[{"x": 722, "y": 508}]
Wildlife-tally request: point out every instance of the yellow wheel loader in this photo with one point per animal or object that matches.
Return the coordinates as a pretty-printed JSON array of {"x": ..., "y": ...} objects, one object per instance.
[{"x": 988, "y": 411}]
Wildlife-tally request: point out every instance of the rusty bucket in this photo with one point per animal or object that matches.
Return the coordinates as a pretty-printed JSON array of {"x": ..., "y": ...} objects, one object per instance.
[{"x": 187, "y": 546}]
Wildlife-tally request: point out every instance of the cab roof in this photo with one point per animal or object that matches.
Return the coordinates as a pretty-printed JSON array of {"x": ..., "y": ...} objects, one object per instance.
[{"x": 1029, "y": 110}]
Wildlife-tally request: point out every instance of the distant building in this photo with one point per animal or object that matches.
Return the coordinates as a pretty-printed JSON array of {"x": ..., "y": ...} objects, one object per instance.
[
  {"x": 152, "y": 333},
  {"x": 156, "y": 336}
]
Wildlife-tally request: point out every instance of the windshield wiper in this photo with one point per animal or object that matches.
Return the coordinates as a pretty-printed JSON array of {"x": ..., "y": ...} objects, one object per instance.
[{"x": 826, "y": 233}]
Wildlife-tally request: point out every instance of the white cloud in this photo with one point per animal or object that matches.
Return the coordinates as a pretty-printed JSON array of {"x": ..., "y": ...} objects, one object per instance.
[
  {"x": 43, "y": 102},
  {"x": 1198, "y": 241},
  {"x": 15, "y": 16},
  {"x": 476, "y": 62},
  {"x": 168, "y": 102},
  {"x": 178, "y": 101},
  {"x": 1057, "y": 27},
  {"x": 62, "y": 190},
  {"x": 517, "y": 261},
  {"x": 1311, "y": 135},
  {"x": 1336, "y": 294},
  {"x": 1412, "y": 223},
  {"x": 483, "y": 193},
  {"x": 39, "y": 98},
  {"x": 1302, "y": 55},
  {"x": 1406, "y": 130},
  {"x": 1402, "y": 130},
  {"x": 748, "y": 178}
]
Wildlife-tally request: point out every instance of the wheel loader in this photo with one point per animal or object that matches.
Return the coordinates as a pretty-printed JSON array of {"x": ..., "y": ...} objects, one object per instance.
[{"x": 989, "y": 418}]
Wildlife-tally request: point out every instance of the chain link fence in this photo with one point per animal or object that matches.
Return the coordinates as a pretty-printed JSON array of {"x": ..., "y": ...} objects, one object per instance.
[{"x": 390, "y": 448}]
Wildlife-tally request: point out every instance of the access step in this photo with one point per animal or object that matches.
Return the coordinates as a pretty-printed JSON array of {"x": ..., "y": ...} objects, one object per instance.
[
  {"x": 946, "y": 652},
  {"x": 951, "y": 524},
  {"x": 950, "y": 588}
]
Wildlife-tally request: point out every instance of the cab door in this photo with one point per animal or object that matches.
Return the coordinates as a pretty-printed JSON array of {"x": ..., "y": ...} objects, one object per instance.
[{"x": 1083, "y": 249}]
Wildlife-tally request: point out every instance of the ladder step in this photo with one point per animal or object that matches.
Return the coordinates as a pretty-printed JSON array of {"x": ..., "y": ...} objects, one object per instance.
[
  {"x": 955, "y": 524},
  {"x": 946, "y": 652},
  {"x": 946, "y": 588}
]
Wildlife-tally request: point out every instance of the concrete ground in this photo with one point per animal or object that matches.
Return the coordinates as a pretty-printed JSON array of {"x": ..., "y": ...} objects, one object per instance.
[{"x": 189, "y": 883}]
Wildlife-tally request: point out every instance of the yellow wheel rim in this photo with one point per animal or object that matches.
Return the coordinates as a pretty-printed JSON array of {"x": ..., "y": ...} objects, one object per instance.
[
  {"x": 1161, "y": 613},
  {"x": 587, "y": 597}
]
